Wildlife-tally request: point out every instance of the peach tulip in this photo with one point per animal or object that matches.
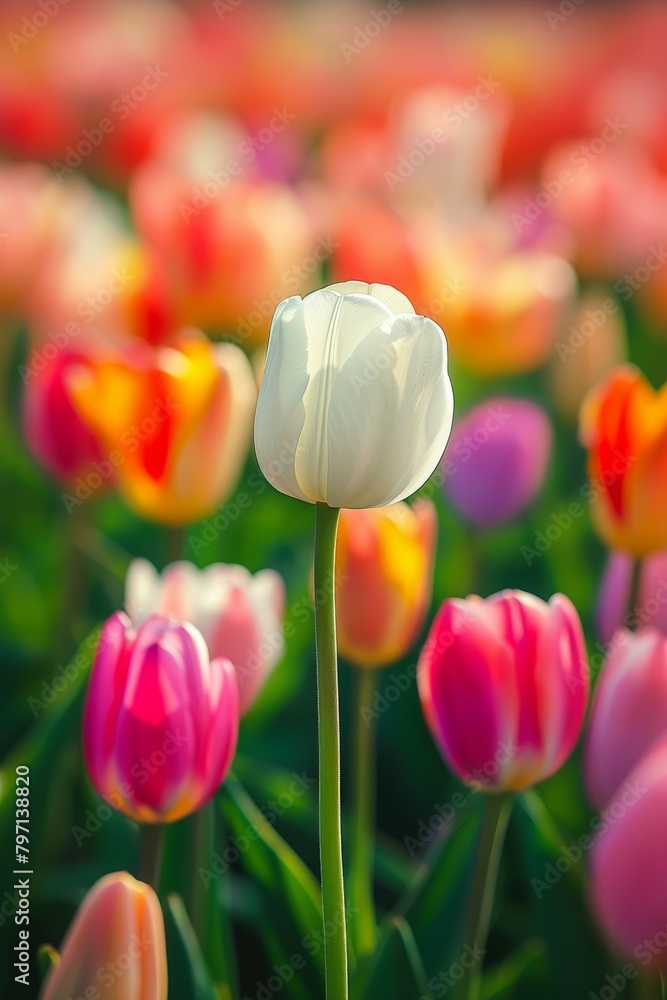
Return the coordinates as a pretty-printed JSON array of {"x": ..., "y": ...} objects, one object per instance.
[
  {"x": 176, "y": 422},
  {"x": 592, "y": 345},
  {"x": 384, "y": 578},
  {"x": 239, "y": 615},
  {"x": 503, "y": 313},
  {"x": 503, "y": 684},
  {"x": 115, "y": 946},
  {"x": 629, "y": 710},
  {"x": 623, "y": 425},
  {"x": 629, "y": 864},
  {"x": 160, "y": 719}
]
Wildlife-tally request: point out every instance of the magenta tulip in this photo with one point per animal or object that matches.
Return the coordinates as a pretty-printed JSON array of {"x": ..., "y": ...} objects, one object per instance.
[
  {"x": 629, "y": 710},
  {"x": 496, "y": 460},
  {"x": 504, "y": 684},
  {"x": 629, "y": 863},
  {"x": 160, "y": 720}
]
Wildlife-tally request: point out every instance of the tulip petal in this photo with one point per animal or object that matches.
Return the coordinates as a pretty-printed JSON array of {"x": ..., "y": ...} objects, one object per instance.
[
  {"x": 395, "y": 301},
  {"x": 390, "y": 415}
]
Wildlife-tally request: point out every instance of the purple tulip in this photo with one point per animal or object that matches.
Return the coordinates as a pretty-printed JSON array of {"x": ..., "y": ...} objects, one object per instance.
[{"x": 496, "y": 460}]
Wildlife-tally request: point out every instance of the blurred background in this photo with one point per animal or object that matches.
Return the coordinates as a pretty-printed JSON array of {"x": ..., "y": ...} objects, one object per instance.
[{"x": 167, "y": 166}]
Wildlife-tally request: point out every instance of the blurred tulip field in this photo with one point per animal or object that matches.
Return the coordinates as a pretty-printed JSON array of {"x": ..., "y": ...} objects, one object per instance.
[{"x": 451, "y": 219}]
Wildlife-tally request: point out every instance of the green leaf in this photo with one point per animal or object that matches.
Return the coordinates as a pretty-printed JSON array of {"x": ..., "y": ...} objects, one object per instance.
[
  {"x": 188, "y": 975},
  {"x": 435, "y": 903},
  {"x": 47, "y": 959},
  {"x": 554, "y": 889},
  {"x": 291, "y": 920},
  {"x": 51, "y": 750},
  {"x": 501, "y": 981},
  {"x": 396, "y": 970}
]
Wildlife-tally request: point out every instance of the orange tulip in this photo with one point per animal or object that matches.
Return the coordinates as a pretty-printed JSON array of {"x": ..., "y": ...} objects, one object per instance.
[
  {"x": 384, "y": 576},
  {"x": 176, "y": 422},
  {"x": 624, "y": 427},
  {"x": 115, "y": 946}
]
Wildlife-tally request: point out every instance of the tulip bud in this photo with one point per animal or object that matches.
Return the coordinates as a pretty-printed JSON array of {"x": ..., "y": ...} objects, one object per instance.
[
  {"x": 348, "y": 369},
  {"x": 629, "y": 862},
  {"x": 503, "y": 684},
  {"x": 160, "y": 720},
  {"x": 176, "y": 421},
  {"x": 239, "y": 615},
  {"x": 629, "y": 710},
  {"x": 499, "y": 457},
  {"x": 623, "y": 425},
  {"x": 115, "y": 945},
  {"x": 384, "y": 578}
]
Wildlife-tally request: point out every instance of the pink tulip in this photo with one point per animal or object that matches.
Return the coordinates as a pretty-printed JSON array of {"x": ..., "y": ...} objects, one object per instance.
[
  {"x": 503, "y": 684},
  {"x": 629, "y": 710},
  {"x": 115, "y": 946},
  {"x": 239, "y": 615},
  {"x": 629, "y": 863},
  {"x": 613, "y": 605},
  {"x": 161, "y": 719},
  {"x": 496, "y": 460}
]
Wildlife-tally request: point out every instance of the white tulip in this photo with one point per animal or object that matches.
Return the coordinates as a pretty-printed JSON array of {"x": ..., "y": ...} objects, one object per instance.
[{"x": 355, "y": 406}]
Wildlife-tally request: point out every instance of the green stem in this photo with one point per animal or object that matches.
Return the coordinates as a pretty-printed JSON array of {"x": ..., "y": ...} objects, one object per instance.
[
  {"x": 363, "y": 817},
  {"x": 331, "y": 848},
  {"x": 175, "y": 545},
  {"x": 151, "y": 843},
  {"x": 482, "y": 890},
  {"x": 202, "y": 837},
  {"x": 633, "y": 596}
]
